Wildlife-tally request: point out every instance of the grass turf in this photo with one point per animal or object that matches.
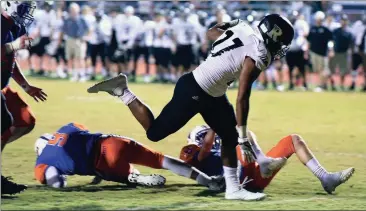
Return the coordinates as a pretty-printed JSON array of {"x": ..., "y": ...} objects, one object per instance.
[{"x": 333, "y": 124}]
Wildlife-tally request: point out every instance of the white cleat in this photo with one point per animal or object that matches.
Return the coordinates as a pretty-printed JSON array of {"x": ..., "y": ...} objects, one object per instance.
[
  {"x": 333, "y": 180},
  {"x": 217, "y": 183},
  {"x": 271, "y": 165},
  {"x": 114, "y": 86},
  {"x": 146, "y": 180},
  {"x": 245, "y": 195}
]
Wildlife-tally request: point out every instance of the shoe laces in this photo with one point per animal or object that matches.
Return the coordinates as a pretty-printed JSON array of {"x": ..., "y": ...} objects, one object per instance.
[{"x": 245, "y": 182}]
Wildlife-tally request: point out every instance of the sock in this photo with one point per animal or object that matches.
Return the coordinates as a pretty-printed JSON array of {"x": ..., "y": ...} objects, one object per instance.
[
  {"x": 354, "y": 76},
  {"x": 127, "y": 97},
  {"x": 90, "y": 70},
  {"x": 231, "y": 179},
  {"x": 258, "y": 152},
  {"x": 177, "y": 167},
  {"x": 202, "y": 178},
  {"x": 81, "y": 72},
  {"x": 317, "y": 169},
  {"x": 75, "y": 73}
]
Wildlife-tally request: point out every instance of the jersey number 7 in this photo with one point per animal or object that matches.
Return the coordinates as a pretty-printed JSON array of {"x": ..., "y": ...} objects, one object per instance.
[
  {"x": 236, "y": 44},
  {"x": 58, "y": 139}
]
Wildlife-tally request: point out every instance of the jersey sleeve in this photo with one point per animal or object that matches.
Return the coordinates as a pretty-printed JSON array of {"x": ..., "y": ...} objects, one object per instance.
[
  {"x": 188, "y": 152},
  {"x": 260, "y": 55}
]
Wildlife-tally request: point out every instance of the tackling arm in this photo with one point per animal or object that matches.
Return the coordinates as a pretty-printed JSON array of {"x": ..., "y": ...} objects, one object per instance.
[
  {"x": 206, "y": 145},
  {"x": 248, "y": 75},
  {"x": 19, "y": 77}
]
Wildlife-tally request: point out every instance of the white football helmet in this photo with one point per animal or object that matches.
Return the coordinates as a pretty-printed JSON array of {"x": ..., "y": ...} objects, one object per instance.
[
  {"x": 197, "y": 134},
  {"x": 41, "y": 143}
]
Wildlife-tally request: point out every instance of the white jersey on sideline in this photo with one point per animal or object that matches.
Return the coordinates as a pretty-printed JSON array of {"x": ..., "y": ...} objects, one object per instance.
[
  {"x": 163, "y": 40},
  {"x": 100, "y": 31},
  {"x": 185, "y": 32},
  {"x": 224, "y": 64},
  {"x": 43, "y": 22},
  {"x": 127, "y": 29}
]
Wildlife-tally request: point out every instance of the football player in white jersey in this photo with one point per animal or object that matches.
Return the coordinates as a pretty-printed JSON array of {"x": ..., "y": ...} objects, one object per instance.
[
  {"x": 186, "y": 35},
  {"x": 239, "y": 52},
  {"x": 126, "y": 31},
  {"x": 43, "y": 26}
]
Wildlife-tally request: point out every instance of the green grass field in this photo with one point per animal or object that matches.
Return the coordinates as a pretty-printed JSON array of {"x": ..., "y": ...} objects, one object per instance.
[{"x": 333, "y": 124}]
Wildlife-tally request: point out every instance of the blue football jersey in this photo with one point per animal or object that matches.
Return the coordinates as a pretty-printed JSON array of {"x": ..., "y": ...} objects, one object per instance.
[{"x": 71, "y": 150}]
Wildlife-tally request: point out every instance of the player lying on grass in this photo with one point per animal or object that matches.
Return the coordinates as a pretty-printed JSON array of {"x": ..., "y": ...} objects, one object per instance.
[
  {"x": 74, "y": 150},
  {"x": 203, "y": 152}
]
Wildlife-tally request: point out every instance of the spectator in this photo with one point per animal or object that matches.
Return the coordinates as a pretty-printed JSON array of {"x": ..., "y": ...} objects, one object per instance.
[
  {"x": 144, "y": 43},
  {"x": 76, "y": 30},
  {"x": 362, "y": 50},
  {"x": 318, "y": 38},
  {"x": 343, "y": 43},
  {"x": 185, "y": 35},
  {"x": 295, "y": 57},
  {"x": 97, "y": 42},
  {"x": 127, "y": 28},
  {"x": 43, "y": 26},
  {"x": 331, "y": 24},
  {"x": 357, "y": 30},
  {"x": 55, "y": 50}
]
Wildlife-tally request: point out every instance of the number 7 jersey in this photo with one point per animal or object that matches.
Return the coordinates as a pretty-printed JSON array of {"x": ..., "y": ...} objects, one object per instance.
[{"x": 224, "y": 64}]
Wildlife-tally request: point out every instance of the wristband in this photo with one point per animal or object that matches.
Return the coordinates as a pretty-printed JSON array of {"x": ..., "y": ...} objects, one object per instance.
[{"x": 242, "y": 131}]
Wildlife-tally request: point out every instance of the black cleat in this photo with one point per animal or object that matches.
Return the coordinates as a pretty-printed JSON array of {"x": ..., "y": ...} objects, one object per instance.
[{"x": 10, "y": 188}]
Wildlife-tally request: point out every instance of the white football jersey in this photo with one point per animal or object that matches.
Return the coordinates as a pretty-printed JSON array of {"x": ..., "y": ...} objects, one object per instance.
[
  {"x": 224, "y": 64},
  {"x": 43, "y": 20},
  {"x": 127, "y": 29},
  {"x": 185, "y": 32}
]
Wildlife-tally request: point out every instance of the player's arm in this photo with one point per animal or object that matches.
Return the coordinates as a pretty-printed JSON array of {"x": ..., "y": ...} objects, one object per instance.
[
  {"x": 207, "y": 144},
  {"x": 217, "y": 30},
  {"x": 49, "y": 175},
  {"x": 33, "y": 91},
  {"x": 249, "y": 74}
]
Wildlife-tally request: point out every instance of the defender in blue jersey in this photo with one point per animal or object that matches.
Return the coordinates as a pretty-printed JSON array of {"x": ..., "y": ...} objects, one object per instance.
[
  {"x": 203, "y": 152},
  {"x": 73, "y": 150},
  {"x": 16, "y": 117}
]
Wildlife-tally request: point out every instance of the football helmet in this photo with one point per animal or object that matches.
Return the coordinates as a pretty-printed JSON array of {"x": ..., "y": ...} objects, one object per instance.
[
  {"x": 41, "y": 143},
  {"x": 277, "y": 32},
  {"x": 20, "y": 12}
]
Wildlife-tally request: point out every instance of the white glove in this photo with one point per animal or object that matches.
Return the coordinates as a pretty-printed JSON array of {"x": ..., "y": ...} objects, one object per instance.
[{"x": 246, "y": 150}]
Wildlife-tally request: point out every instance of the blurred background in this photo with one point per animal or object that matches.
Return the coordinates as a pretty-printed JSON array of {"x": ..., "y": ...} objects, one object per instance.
[{"x": 158, "y": 41}]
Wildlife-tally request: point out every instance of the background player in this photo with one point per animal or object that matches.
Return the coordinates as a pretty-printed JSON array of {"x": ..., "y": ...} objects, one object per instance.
[
  {"x": 16, "y": 116},
  {"x": 239, "y": 52},
  {"x": 203, "y": 152},
  {"x": 75, "y": 150}
]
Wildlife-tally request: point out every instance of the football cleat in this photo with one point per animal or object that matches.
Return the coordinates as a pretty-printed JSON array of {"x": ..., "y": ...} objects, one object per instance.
[
  {"x": 271, "y": 165},
  {"x": 114, "y": 86},
  {"x": 333, "y": 180},
  {"x": 146, "y": 180},
  {"x": 217, "y": 183},
  {"x": 10, "y": 188},
  {"x": 96, "y": 180},
  {"x": 245, "y": 195}
]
